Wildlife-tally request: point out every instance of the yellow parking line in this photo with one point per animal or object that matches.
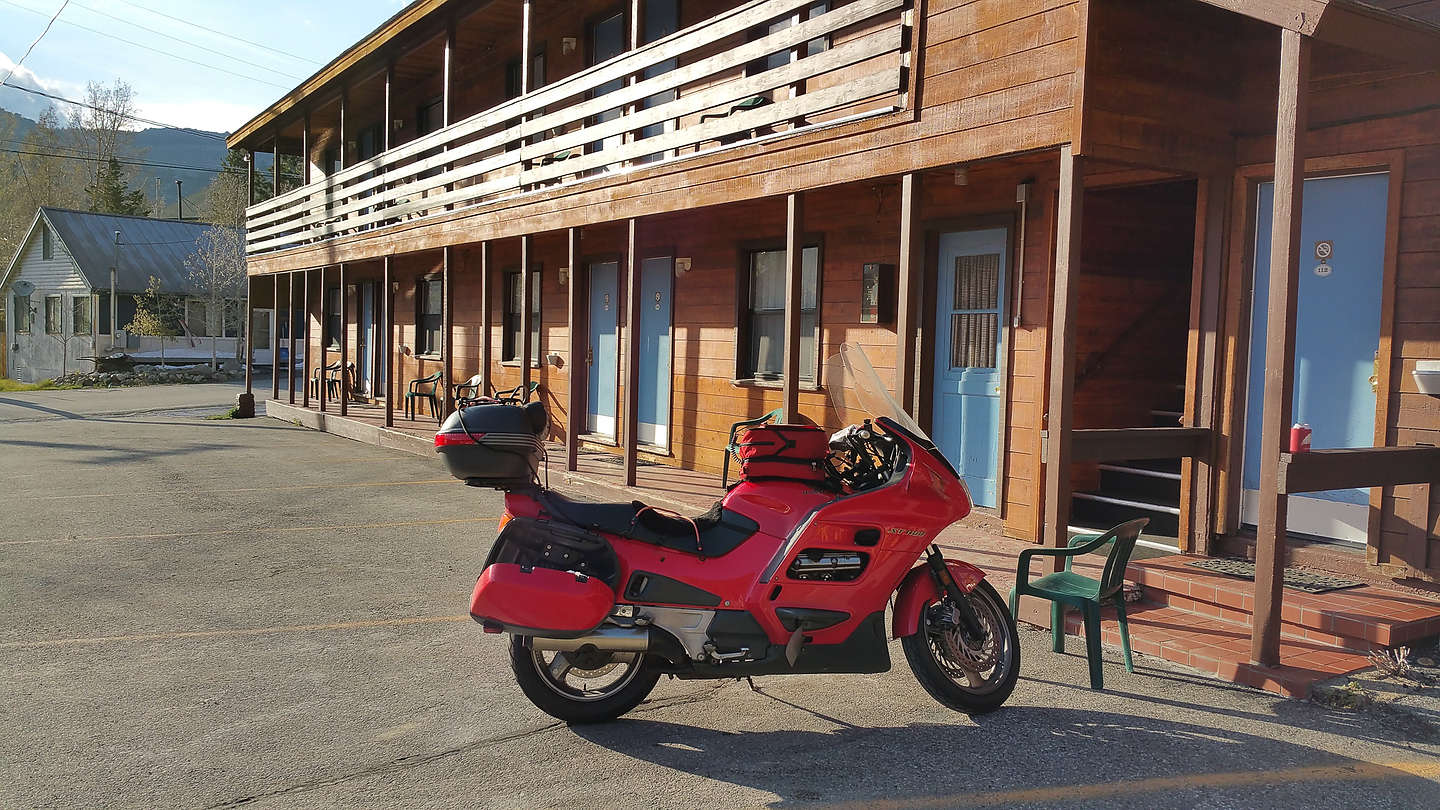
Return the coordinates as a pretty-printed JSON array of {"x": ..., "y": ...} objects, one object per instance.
[
  {"x": 248, "y": 631},
  {"x": 258, "y": 530},
  {"x": 167, "y": 493},
  {"x": 1344, "y": 772}
]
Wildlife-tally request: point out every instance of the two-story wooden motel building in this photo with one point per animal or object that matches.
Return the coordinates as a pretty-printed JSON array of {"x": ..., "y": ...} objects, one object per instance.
[{"x": 1108, "y": 250}]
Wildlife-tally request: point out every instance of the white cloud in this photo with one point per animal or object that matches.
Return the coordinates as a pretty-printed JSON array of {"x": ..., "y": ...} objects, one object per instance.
[{"x": 28, "y": 104}]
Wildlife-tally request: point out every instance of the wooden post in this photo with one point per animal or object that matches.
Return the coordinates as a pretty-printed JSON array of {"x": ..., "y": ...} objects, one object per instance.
[
  {"x": 911, "y": 257},
  {"x": 274, "y": 336},
  {"x": 340, "y": 142},
  {"x": 290, "y": 333},
  {"x": 525, "y": 47},
  {"x": 344, "y": 344},
  {"x": 387, "y": 128},
  {"x": 632, "y": 353},
  {"x": 794, "y": 299},
  {"x": 249, "y": 344},
  {"x": 579, "y": 377},
  {"x": 274, "y": 171},
  {"x": 324, "y": 346},
  {"x": 1062, "y": 350},
  {"x": 485, "y": 327},
  {"x": 305, "y": 328},
  {"x": 305, "y": 150},
  {"x": 387, "y": 304},
  {"x": 447, "y": 70},
  {"x": 1291, "y": 121},
  {"x": 525, "y": 316},
  {"x": 249, "y": 200},
  {"x": 1202, "y": 394},
  {"x": 447, "y": 336}
]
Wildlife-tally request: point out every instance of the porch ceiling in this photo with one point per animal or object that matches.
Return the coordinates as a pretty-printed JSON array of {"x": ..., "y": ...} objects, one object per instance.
[{"x": 1351, "y": 23}]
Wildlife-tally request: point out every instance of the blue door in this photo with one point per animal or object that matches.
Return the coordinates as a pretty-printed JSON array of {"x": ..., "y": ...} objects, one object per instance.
[
  {"x": 653, "y": 403},
  {"x": 604, "y": 350},
  {"x": 968, "y": 332},
  {"x": 1337, "y": 332},
  {"x": 365, "y": 338}
]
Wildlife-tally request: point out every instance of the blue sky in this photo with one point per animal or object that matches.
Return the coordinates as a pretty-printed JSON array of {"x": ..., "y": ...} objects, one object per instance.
[{"x": 168, "y": 88}]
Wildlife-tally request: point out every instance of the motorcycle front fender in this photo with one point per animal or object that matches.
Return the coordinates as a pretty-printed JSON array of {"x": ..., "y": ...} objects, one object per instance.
[{"x": 918, "y": 589}]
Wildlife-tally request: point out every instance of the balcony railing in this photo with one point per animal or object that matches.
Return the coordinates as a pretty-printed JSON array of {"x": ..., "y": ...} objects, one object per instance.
[{"x": 671, "y": 99}]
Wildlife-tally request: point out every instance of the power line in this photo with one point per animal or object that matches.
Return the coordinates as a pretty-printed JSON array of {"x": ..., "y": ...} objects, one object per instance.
[
  {"x": 196, "y": 132},
  {"x": 218, "y": 33},
  {"x": 139, "y": 163},
  {"x": 26, "y": 55},
  {"x": 186, "y": 42},
  {"x": 135, "y": 44}
]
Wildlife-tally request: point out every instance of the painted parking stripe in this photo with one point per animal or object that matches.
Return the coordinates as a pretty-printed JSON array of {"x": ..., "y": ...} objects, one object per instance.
[
  {"x": 255, "y": 530},
  {"x": 241, "y": 632},
  {"x": 1342, "y": 772},
  {"x": 230, "y": 490}
]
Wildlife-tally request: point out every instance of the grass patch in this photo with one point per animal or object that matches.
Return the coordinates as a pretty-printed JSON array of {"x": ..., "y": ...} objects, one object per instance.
[
  {"x": 233, "y": 413},
  {"x": 8, "y": 385}
]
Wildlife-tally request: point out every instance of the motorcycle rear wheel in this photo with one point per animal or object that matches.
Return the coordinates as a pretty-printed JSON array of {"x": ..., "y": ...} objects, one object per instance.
[
  {"x": 970, "y": 679},
  {"x": 553, "y": 686}
]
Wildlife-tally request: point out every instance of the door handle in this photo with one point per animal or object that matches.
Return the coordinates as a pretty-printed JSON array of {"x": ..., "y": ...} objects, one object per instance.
[
  {"x": 1375, "y": 377},
  {"x": 589, "y": 355}
]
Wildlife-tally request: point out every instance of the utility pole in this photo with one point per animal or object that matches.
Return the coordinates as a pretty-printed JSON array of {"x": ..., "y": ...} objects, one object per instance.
[
  {"x": 157, "y": 197},
  {"x": 114, "y": 310},
  {"x": 179, "y": 199}
]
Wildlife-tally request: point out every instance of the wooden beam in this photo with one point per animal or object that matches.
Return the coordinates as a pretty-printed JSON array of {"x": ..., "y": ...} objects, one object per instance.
[
  {"x": 485, "y": 318},
  {"x": 324, "y": 346},
  {"x": 447, "y": 337},
  {"x": 1057, "y": 434},
  {"x": 1202, "y": 385},
  {"x": 1120, "y": 444},
  {"x": 526, "y": 317},
  {"x": 912, "y": 259},
  {"x": 290, "y": 334},
  {"x": 305, "y": 328},
  {"x": 1291, "y": 121},
  {"x": 1358, "y": 468},
  {"x": 575, "y": 417},
  {"x": 794, "y": 299},
  {"x": 387, "y": 347},
  {"x": 344, "y": 344},
  {"x": 274, "y": 335},
  {"x": 249, "y": 344},
  {"x": 632, "y": 353}
]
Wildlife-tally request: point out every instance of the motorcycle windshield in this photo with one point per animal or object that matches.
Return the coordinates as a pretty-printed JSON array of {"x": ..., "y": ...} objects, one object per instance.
[{"x": 857, "y": 392}]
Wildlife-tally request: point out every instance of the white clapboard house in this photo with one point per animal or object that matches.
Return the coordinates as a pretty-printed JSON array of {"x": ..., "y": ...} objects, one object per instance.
[{"x": 57, "y": 288}]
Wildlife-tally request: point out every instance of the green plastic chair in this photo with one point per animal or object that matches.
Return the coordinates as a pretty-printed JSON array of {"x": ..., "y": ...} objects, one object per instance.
[
  {"x": 1068, "y": 589},
  {"x": 731, "y": 448},
  {"x": 427, "y": 389}
]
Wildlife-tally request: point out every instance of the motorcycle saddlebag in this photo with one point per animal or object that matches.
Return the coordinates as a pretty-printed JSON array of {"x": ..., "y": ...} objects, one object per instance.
[
  {"x": 793, "y": 452},
  {"x": 495, "y": 446},
  {"x": 540, "y": 601}
]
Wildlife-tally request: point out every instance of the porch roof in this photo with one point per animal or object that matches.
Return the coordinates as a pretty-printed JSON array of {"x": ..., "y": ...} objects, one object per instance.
[{"x": 1409, "y": 32}]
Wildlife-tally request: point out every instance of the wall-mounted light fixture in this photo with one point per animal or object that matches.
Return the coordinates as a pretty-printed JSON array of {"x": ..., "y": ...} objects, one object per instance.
[
  {"x": 682, "y": 266},
  {"x": 564, "y": 276},
  {"x": 962, "y": 176},
  {"x": 567, "y": 45},
  {"x": 398, "y": 124}
]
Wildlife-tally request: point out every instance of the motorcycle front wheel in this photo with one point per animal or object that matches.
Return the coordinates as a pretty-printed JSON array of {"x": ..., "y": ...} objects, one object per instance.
[
  {"x": 976, "y": 676},
  {"x": 581, "y": 687}
]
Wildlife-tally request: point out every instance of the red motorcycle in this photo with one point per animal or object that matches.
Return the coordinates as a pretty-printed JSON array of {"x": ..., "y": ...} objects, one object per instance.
[{"x": 790, "y": 573}]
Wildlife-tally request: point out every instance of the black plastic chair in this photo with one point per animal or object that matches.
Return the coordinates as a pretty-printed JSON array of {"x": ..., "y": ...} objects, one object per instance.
[{"x": 426, "y": 389}]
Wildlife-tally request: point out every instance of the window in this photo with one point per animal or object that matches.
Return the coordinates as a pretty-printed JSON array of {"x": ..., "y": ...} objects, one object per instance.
[
  {"x": 783, "y": 58},
  {"x": 197, "y": 318},
  {"x": 47, "y": 243},
  {"x": 975, "y": 322},
  {"x": 230, "y": 328},
  {"x": 23, "y": 316},
  {"x": 332, "y": 317},
  {"x": 512, "y": 315},
  {"x": 429, "y": 117},
  {"x": 429, "y": 319},
  {"x": 54, "y": 315},
  {"x": 765, "y": 317},
  {"x": 82, "y": 308}
]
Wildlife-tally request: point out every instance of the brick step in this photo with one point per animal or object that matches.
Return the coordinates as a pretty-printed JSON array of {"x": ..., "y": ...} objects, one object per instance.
[
  {"x": 1356, "y": 618},
  {"x": 1221, "y": 648}
]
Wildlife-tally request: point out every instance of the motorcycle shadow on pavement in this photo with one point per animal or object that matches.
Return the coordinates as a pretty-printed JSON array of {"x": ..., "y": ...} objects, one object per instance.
[{"x": 1016, "y": 748}]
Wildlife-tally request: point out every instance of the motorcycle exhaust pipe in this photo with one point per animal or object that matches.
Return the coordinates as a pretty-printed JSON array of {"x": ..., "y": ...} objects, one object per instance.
[{"x": 606, "y": 639}]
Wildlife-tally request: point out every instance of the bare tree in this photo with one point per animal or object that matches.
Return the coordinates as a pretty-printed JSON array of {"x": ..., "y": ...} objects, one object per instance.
[
  {"x": 216, "y": 271},
  {"x": 102, "y": 127}
]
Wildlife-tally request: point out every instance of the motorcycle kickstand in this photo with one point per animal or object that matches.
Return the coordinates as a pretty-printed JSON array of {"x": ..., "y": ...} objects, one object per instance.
[{"x": 751, "y": 681}]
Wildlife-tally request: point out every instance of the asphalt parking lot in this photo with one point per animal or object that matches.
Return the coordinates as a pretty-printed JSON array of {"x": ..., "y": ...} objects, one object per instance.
[{"x": 199, "y": 613}]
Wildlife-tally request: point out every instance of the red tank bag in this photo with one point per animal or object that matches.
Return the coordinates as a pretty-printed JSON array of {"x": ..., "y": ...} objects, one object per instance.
[{"x": 790, "y": 452}]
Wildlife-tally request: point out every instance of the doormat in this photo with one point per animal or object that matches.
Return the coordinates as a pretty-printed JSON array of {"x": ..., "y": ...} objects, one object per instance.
[{"x": 1295, "y": 578}]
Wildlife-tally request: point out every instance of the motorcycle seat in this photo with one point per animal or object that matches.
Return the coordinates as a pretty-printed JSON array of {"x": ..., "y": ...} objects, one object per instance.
[{"x": 720, "y": 530}]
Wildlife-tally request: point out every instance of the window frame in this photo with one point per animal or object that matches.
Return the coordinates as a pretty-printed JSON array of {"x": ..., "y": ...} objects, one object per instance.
[
  {"x": 232, "y": 317},
  {"x": 47, "y": 243},
  {"x": 55, "y": 325},
  {"x": 89, "y": 312},
  {"x": 423, "y": 347},
  {"x": 330, "y": 334},
  {"x": 23, "y": 325},
  {"x": 743, "y": 309},
  {"x": 509, "y": 346},
  {"x": 204, "y": 325}
]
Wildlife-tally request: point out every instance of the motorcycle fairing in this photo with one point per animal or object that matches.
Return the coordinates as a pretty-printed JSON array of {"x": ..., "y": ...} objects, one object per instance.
[{"x": 919, "y": 589}]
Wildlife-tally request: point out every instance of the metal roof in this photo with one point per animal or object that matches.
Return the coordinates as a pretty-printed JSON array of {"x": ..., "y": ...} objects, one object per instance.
[{"x": 148, "y": 247}]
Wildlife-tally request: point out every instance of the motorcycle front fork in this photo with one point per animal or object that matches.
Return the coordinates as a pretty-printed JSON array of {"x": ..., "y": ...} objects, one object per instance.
[{"x": 970, "y": 624}]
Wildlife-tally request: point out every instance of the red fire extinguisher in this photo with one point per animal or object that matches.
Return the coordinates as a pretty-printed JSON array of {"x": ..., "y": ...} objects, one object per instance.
[{"x": 1300, "y": 438}]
